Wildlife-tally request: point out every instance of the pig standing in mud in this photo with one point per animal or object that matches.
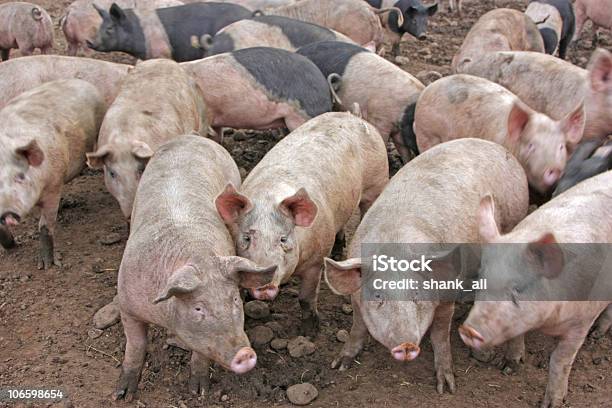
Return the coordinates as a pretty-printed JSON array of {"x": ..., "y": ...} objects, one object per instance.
[
  {"x": 554, "y": 87},
  {"x": 461, "y": 106},
  {"x": 191, "y": 285},
  {"x": 22, "y": 74},
  {"x": 388, "y": 104},
  {"x": 458, "y": 173},
  {"x": 598, "y": 11},
  {"x": 25, "y": 26},
  {"x": 353, "y": 18},
  {"x": 164, "y": 32},
  {"x": 413, "y": 21},
  {"x": 589, "y": 159},
  {"x": 267, "y": 31},
  {"x": 300, "y": 195},
  {"x": 158, "y": 102},
  {"x": 556, "y": 21},
  {"x": 498, "y": 30},
  {"x": 44, "y": 134},
  {"x": 530, "y": 269},
  {"x": 81, "y": 21},
  {"x": 261, "y": 88}
]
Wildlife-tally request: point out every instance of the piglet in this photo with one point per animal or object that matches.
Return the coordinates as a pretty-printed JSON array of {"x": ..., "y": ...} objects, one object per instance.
[
  {"x": 408, "y": 213},
  {"x": 25, "y": 26},
  {"x": 158, "y": 102},
  {"x": 466, "y": 106},
  {"x": 300, "y": 195},
  {"x": 44, "y": 134},
  {"x": 179, "y": 270},
  {"x": 525, "y": 266},
  {"x": 498, "y": 30}
]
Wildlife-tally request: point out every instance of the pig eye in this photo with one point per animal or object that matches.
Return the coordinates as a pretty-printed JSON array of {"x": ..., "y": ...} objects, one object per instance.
[
  {"x": 246, "y": 238},
  {"x": 20, "y": 177},
  {"x": 199, "y": 310},
  {"x": 284, "y": 240},
  {"x": 112, "y": 174}
]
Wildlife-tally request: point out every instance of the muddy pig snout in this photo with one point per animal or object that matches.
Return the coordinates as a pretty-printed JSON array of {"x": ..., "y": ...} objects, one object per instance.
[
  {"x": 470, "y": 336},
  {"x": 268, "y": 292},
  {"x": 9, "y": 218},
  {"x": 406, "y": 352},
  {"x": 422, "y": 37},
  {"x": 244, "y": 360}
]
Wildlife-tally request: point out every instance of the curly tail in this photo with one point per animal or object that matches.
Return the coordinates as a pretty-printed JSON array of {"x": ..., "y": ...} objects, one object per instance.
[
  {"x": 335, "y": 82},
  {"x": 37, "y": 13}
]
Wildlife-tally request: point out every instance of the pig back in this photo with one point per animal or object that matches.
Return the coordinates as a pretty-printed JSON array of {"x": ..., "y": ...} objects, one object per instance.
[
  {"x": 436, "y": 196},
  {"x": 64, "y": 117}
]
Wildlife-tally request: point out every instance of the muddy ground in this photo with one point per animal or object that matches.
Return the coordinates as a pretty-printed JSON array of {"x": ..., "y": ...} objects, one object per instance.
[{"x": 46, "y": 316}]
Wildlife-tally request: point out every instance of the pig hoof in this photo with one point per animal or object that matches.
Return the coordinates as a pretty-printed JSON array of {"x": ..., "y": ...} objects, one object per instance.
[
  {"x": 552, "y": 401},
  {"x": 127, "y": 386},
  {"x": 310, "y": 326},
  {"x": 47, "y": 263},
  {"x": 510, "y": 367},
  {"x": 599, "y": 330},
  {"x": 342, "y": 363},
  {"x": 445, "y": 376},
  {"x": 199, "y": 383}
]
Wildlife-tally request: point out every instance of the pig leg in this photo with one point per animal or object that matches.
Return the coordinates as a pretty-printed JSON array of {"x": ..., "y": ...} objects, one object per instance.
[
  {"x": 6, "y": 238},
  {"x": 73, "y": 48},
  {"x": 440, "y": 341},
  {"x": 46, "y": 228},
  {"x": 309, "y": 291},
  {"x": 199, "y": 379},
  {"x": 514, "y": 355},
  {"x": 561, "y": 361},
  {"x": 603, "y": 324},
  {"x": 581, "y": 18},
  {"x": 135, "y": 351},
  {"x": 6, "y": 52},
  {"x": 354, "y": 345},
  {"x": 45, "y": 50}
]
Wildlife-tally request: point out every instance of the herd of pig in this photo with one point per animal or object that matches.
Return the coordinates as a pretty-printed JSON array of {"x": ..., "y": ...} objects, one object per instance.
[{"x": 513, "y": 116}]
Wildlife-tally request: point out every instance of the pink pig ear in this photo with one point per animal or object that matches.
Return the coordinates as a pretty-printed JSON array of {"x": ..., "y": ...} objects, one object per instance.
[
  {"x": 600, "y": 69},
  {"x": 231, "y": 204},
  {"x": 344, "y": 278},
  {"x": 517, "y": 121},
  {"x": 487, "y": 226},
  {"x": 573, "y": 125},
  {"x": 182, "y": 281},
  {"x": 547, "y": 254},
  {"x": 32, "y": 153},
  {"x": 96, "y": 159},
  {"x": 300, "y": 207}
]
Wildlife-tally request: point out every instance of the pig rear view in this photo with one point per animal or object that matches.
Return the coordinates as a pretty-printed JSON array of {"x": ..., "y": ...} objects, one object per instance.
[
  {"x": 44, "y": 135},
  {"x": 25, "y": 26},
  {"x": 261, "y": 88},
  {"x": 158, "y": 101},
  {"x": 556, "y": 21},
  {"x": 387, "y": 102},
  {"x": 461, "y": 106},
  {"x": 457, "y": 173},
  {"x": 191, "y": 285},
  {"x": 498, "y": 30},
  {"x": 299, "y": 196},
  {"x": 22, "y": 74},
  {"x": 533, "y": 268}
]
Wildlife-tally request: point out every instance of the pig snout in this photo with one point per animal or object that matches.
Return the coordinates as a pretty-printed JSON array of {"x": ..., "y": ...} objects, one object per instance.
[
  {"x": 268, "y": 292},
  {"x": 471, "y": 337},
  {"x": 551, "y": 176},
  {"x": 9, "y": 218},
  {"x": 244, "y": 360},
  {"x": 422, "y": 37},
  {"x": 405, "y": 352},
  {"x": 91, "y": 45}
]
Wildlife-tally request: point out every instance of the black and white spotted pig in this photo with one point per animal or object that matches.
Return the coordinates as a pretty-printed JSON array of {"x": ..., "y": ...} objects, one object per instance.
[
  {"x": 164, "y": 32},
  {"x": 388, "y": 104}
]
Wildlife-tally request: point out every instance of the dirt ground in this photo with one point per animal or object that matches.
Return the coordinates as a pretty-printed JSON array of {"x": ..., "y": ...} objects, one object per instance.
[{"x": 46, "y": 316}]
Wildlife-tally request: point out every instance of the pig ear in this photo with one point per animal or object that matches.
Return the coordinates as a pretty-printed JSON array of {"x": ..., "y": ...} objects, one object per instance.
[
  {"x": 247, "y": 273},
  {"x": 300, "y": 207},
  {"x": 96, "y": 159},
  {"x": 32, "y": 153},
  {"x": 141, "y": 150},
  {"x": 517, "y": 120},
  {"x": 487, "y": 227},
  {"x": 100, "y": 11},
  {"x": 183, "y": 281},
  {"x": 231, "y": 204},
  {"x": 600, "y": 69},
  {"x": 573, "y": 125},
  {"x": 547, "y": 255},
  {"x": 344, "y": 278},
  {"x": 431, "y": 10},
  {"x": 117, "y": 13}
]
